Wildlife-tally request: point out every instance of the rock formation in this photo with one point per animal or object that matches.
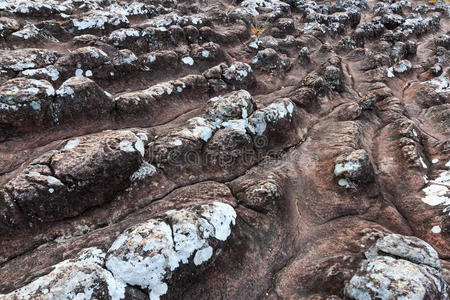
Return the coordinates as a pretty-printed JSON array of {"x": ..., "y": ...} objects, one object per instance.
[{"x": 256, "y": 149}]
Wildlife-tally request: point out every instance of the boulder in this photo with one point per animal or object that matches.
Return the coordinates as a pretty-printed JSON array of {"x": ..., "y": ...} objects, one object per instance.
[
  {"x": 24, "y": 104},
  {"x": 78, "y": 100},
  {"x": 353, "y": 168},
  {"x": 399, "y": 267}
]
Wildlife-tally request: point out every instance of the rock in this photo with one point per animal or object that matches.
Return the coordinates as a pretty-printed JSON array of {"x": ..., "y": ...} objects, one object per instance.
[
  {"x": 29, "y": 36},
  {"x": 392, "y": 21},
  {"x": 80, "y": 99},
  {"x": 399, "y": 266},
  {"x": 279, "y": 149},
  {"x": 229, "y": 150},
  {"x": 353, "y": 168},
  {"x": 124, "y": 37},
  {"x": 125, "y": 62},
  {"x": 235, "y": 105},
  {"x": 254, "y": 8},
  {"x": 239, "y": 75},
  {"x": 49, "y": 73},
  {"x": 8, "y": 25},
  {"x": 269, "y": 60},
  {"x": 25, "y": 103},
  {"x": 22, "y": 59},
  {"x": 272, "y": 118},
  {"x": 303, "y": 55},
  {"x": 400, "y": 67},
  {"x": 148, "y": 254},
  {"x": 153, "y": 101},
  {"x": 406, "y": 247},
  {"x": 96, "y": 21},
  {"x": 84, "y": 277},
  {"x": 86, "y": 61},
  {"x": 396, "y": 278},
  {"x": 333, "y": 78},
  {"x": 285, "y": 26},
  {"x": 53, "y": 31},
  {"x": 303, "y": 97},
  {"x": 63, "y": 183}
]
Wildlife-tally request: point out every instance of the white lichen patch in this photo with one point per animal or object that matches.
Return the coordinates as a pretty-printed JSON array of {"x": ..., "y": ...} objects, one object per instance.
[
  {"x": 252, "y": 6},
  {"x": 390, "y": 72},
  {"x": 437, "y": 192},
  {"x": 436, "y": 195},
  {"x": 65, "y": 90},
  {"x": 436, "y": 229},
  {"x": 199, "y": 128},
  {"x": 442, "y": 83},
  {"x": 98, "y": 19},
  {"x": 443, "y": 179},
  {"x": 78, "y": 72},
  {"x": 126, "y": 146},
  {"x": 255, "y": 44},
  {"x": 205, "y": 53},
  {"x": 261, "y": 119},
  {"x": 188, "y": 60},
  {"x": 138, "y": 145},
  {"x": 54, "y": 181},
  {"x": 351, "y": 166},
  {"x": 237, "y": 71},
  {"x": 79, "y": 278},
  {"x": 50, "y": 72},
  {"x": 72, "y": 144},
  {"x": 422, "y": 162},
  {"x": 237, "y": 125},
  {"x": 176, "y": 142},
  {"x": 344, "y": 182},
  {"x": 203, "y": 255},
  {"x": 145, "y": 170},
  {"x": 147, "y": 254}
]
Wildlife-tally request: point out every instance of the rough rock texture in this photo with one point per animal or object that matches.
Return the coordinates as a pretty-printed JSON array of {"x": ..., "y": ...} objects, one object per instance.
[
  {"x": 256, "y": 149},
  {"x": 399, "y": 266}
]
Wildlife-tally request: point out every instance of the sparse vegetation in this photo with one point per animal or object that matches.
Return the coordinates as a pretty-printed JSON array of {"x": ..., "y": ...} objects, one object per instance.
[{"x": 258, "y": 28}]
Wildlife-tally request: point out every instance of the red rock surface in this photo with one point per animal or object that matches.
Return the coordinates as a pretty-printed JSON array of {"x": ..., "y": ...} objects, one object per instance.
[{"x": 224, "y": 150}]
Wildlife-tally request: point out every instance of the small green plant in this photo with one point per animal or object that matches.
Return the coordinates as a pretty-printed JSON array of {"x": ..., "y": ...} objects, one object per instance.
[{"x": 259, "y": 28}]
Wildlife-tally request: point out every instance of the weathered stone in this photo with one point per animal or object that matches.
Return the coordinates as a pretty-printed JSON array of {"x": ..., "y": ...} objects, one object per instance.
[
  {"x": 354, "y": 167},
  {"x": 146, "y": 255},
  {"x": 397, "y": 267},
  {"x": 80, "y": 99},
  {"x": 25, "y": 103}
]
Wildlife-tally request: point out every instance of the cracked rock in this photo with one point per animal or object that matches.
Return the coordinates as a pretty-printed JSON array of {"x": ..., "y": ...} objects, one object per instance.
[{"x": 63, "y": 183}]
